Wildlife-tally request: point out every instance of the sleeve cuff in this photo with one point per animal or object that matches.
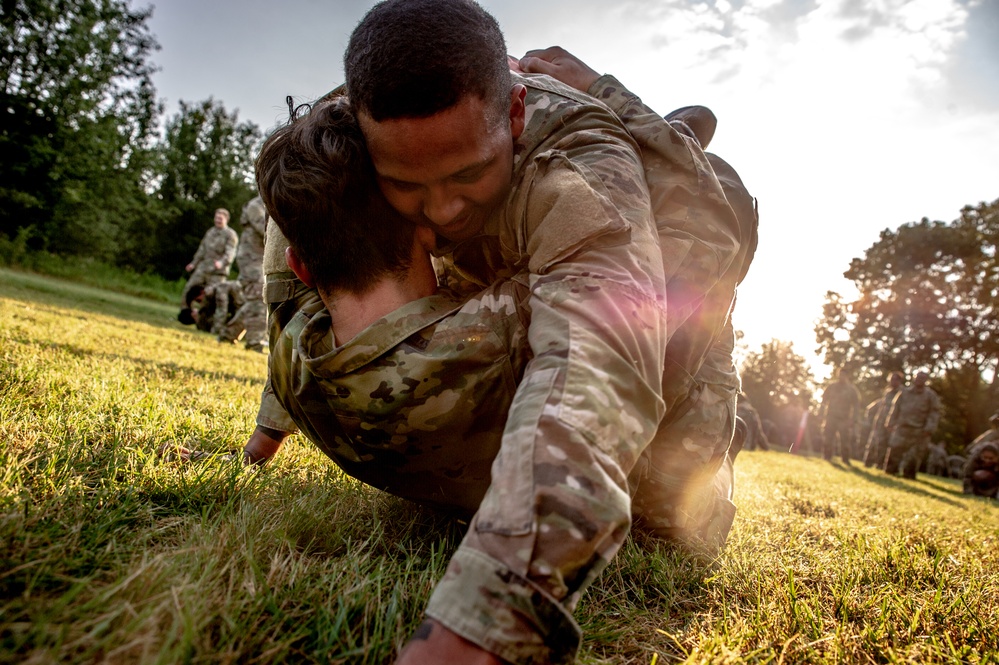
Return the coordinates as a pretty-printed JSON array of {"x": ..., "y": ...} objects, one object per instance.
[
  {"x": 482, "y": 600},
  {"x": 612, "y": 92},
  {"x": 272, "y": 415}
]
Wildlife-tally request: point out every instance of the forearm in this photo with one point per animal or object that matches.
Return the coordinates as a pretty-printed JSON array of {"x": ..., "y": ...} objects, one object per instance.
[
  {"x": 263, "y": 444},
  {"x": 558, "y": 507}
]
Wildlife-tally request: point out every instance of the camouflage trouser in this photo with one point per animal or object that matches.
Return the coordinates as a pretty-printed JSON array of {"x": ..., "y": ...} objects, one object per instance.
[
  {"x": 877, "y": 447},
  {"x": 251, "y": 317},
  {"x": 200, "y": 278},
  {"x": 906, "y": 449},
  {"x": 840, "y": 429},
  {"x": 682, "y": 484},
  {"x": 228, "y": 297}
]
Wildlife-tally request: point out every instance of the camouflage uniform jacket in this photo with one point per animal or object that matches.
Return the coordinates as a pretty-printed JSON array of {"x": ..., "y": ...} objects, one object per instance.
[
  {"x": 415, "y": 403},
  {"x": 840, "y": 401},
  {"x": 578, "y": 220},
  {"x": 915, "y": 409},
  {"x": 219, "y": 244}
]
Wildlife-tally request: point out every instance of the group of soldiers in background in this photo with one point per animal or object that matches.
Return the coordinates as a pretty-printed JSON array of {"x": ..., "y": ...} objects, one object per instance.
[
  {"x": 232, "y": 310},
  {"x": 895, "y": 434},
  {"x": 898, "y": 428}
]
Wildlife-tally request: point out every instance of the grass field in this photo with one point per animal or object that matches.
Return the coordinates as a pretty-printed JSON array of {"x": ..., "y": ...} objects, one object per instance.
[{"x": 109, "y": 554}]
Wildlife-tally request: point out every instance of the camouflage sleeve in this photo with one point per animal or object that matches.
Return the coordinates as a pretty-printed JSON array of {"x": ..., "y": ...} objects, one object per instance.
[
  {"x": 895, "y": 410},
  {"x": 558, "y": 507},
  {"x": 231, "y": 241},
  {"x": 698, "y": 231},
  {"x": 271, "y": 414}
]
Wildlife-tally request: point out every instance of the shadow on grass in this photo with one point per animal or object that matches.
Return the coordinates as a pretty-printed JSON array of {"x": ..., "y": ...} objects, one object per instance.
[
  {"x": 891, "y": 482},
  {"x": 39, "y": 291},
  {"x": 171, "y": 370}
]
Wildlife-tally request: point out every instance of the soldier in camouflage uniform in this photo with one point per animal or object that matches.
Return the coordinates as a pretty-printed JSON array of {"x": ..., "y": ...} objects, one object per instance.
[
  {"x": 756, "y": 436},
  {"x": 252, "y": 315},
  {"x": 212, "y": 260},
  {"x": 981, "y": 471},
  {"x": 215, "y": 305},
  {"x": 375, "y": 425},
  {"x": 577, "y": 217},
  {"x": 915, "y": 413},
  {"x": 877, "y": 439},
  {"x": 840, "y": 403},
  {"x": 405, "y": 386}
]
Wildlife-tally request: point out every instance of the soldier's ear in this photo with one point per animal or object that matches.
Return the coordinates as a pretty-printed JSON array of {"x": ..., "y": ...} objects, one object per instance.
[{"x": 298, "y": 267}]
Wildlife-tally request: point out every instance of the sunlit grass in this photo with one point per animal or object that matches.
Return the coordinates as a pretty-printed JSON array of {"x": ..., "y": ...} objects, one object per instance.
[{"x": 109, "y": 554}]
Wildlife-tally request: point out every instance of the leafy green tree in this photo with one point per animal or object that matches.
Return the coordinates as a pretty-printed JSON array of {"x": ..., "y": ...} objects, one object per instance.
[
  {"x": 205, "y": 162},
  {"x": 78, "y": 125},
  {"x": 779, "y": 384},
  {"x": 927, "y": 300}
]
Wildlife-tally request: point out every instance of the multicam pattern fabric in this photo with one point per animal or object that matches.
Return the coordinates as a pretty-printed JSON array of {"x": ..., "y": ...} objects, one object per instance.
[
  {"x": 228, "y": 297},
  {"x": 415, "y": 403},
  {"x": 558, "y": 506},
  {"x": 578, "y": 219},
  {"x": 218, "y": 244}
]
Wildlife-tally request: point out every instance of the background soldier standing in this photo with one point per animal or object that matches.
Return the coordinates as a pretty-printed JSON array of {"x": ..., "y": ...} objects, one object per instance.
[
  {"x": 212, "y": 261},
  {"x": 252, "y": 315},
  {"x": 877, "y": 441},
  {"x": 840, "y": 403},
  {"x": 915, "y": 413}
]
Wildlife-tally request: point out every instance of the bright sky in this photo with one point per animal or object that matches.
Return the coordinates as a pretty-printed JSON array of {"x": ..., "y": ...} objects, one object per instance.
[{"x": 844, "y": 117}]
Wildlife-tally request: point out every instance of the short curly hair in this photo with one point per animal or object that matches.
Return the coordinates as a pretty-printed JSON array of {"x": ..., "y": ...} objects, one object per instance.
[{"x": 415, "y": 58}]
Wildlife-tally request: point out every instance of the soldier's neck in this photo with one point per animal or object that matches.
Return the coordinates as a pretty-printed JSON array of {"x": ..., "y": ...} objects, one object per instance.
[{"x": 351, "y": 312}]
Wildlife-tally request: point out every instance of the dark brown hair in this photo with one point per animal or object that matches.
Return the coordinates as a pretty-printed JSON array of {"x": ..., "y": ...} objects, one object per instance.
[{"x": 317, "y": 182}]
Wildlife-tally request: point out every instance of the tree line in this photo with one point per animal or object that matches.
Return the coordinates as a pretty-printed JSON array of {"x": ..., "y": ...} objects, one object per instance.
[
  {"x": 91, "y": 167},
  {"x": 926, "y": 299}
]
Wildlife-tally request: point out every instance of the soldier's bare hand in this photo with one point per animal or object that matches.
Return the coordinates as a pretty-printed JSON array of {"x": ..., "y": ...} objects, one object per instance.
[
  {"x": 262, "y": 445},
  {"x": 189, "y": 267},
  {"x": 433, "y": 643},
  {"x": 560, "y": 64}
]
